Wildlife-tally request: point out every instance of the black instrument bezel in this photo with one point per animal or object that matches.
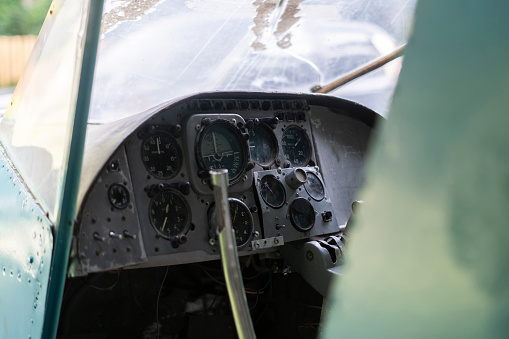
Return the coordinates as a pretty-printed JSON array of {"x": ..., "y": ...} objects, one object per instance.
[
  {"x": 187, "y": 226},
  {"x": 280, "y": 186},
  {"x": 173, "y": 140},
  {"x": 295, "y": 224},
  {"x": 240, "y": 138},
  {"x": 307, "y": 140},
  {"x": 274, "y": 144},
  {"x": 213, "y": 222}
]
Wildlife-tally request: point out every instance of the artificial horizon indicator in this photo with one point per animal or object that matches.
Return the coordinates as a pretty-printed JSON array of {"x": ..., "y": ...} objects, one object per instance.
[{"x": 221, "y": 145}]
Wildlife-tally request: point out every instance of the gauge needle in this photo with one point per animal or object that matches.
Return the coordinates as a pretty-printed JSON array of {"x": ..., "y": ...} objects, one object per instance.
[
  {"x": 164, "y": 223},
  {"x": 270, "y": 190},
  {"x": 158, "y": 142},
  {"x": 214, "y": 139},
  {"x": 297, "y": 142},
  {"x": 167, "y": 207}
]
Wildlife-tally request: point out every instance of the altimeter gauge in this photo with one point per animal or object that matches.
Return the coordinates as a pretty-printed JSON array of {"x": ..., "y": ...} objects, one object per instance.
[{"x": 169, "y": 213}]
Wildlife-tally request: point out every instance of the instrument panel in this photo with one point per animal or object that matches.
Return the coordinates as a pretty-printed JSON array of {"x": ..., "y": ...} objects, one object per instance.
[{"x": 152, "y": 202}]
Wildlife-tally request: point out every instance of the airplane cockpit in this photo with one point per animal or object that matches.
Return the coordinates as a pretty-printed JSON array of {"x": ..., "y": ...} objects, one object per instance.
[
  {"x": 168, "y": 92},
  {"x": 151, "y": 203}
]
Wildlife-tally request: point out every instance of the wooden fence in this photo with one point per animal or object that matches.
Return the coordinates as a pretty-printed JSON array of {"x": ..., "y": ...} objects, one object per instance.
[{"x": 14, "y": 53}]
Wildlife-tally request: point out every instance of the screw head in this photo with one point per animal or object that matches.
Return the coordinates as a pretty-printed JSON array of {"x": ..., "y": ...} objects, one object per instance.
[{"x": 309, "y": 255}]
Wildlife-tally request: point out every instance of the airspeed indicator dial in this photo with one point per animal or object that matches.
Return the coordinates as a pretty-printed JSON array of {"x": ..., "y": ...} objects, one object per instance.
[{"x": 296, "y": 146}]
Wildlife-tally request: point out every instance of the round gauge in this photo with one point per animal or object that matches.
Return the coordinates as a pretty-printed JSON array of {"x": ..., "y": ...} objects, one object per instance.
[
  {"x": 302, "y": 214},
  {"x": 296, "y": 146},
  {"x": 221, "y": 145},
  {"x": 161, "y": 155},
  {"x": 119, "y": 196},
  {"x": 170, "y": 213},
  {"x": 263, "y": 145},
  {"x": 314, "y": 187},
  {"x": 241, "y": 218},
  {"x": 272, "y": 191}
]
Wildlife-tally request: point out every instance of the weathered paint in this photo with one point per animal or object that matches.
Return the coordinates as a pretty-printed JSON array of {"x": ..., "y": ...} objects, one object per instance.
[{"x": 26, "y": 244}]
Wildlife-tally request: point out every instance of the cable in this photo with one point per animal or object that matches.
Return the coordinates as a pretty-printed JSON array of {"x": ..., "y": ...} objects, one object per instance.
[
  {"x": 270, "y": 297},
  {"x": 247, "y": 290},
  {"x": 256, "y": 303},
  {"x": 157, "y": 304},
  {"x": 109, "y": 288},
  {"x": 133, "y": 293},
  {"x": 214, "y": 279},
  {"x": 261, "y": 291}
]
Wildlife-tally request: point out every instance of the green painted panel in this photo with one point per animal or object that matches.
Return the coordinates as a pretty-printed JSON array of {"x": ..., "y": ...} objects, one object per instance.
[
  {"x": 429, "y": 256},
  {"x": 26, "y": 244},
  {"x": 71, "y": 180}
]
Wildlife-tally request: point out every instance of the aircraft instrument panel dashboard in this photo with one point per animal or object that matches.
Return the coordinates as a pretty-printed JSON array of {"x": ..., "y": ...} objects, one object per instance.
[{"x": 294, "y": 165}]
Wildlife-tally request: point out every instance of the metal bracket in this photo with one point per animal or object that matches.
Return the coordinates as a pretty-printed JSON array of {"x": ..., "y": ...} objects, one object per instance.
[{"x": 267, "y": 243}]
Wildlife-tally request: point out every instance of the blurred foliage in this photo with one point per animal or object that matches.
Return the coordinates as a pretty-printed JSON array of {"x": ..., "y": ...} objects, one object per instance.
[{"x": 17, "y": 19}]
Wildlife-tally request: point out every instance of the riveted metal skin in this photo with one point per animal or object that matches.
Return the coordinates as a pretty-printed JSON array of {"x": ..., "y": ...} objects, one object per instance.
[{"x": 26, "y": 244}]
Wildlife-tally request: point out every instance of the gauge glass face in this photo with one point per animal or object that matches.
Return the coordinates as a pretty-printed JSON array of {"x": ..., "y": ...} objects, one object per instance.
[
  {"x": 302, "y": 214},
  {"x": 221, "y": 146},
  {"x": 262, "y": 145},
  {"x": 296, "y": 146},
  {"x": 170, "y": 213},
  {"x": 161, "y": 155},
  {"x": 314, "y": 187},
  {"x": 242, "y": 221},
  {"x": 119, "y": 196},
  {"x": 272, "y": 191}
]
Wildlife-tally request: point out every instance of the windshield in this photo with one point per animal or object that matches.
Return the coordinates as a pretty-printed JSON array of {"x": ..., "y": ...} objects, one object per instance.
[
  {"x": 36, "y": 127},
  {"x": 152, "y": 51}
]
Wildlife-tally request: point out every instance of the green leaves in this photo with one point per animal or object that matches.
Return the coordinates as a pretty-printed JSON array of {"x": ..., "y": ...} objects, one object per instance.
[{"x": 17, "y": 19}]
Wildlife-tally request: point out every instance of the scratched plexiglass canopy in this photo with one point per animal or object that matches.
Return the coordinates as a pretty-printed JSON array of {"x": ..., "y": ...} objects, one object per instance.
[{"x": 152, "y": 51}]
